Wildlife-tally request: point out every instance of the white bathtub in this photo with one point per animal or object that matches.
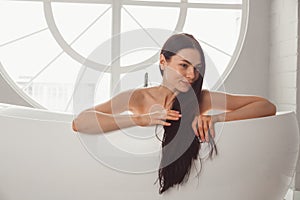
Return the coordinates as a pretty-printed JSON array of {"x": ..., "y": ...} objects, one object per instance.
[{"x": 43, "y": 159}]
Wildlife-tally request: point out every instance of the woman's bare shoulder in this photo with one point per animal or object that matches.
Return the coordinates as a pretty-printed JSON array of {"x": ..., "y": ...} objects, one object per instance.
[
  {"x": 137, "y": 100},
  {"x": 120, "y": 102},
  {"x": 137, "y": 94},
  {"x": 133, "y": 100},
  {"x": 131, "y": 97}
]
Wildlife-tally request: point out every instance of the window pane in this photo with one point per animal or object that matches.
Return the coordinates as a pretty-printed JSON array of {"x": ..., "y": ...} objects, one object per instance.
[
  {"x": 148, "y": 17},
  {"x": 29, "y": 19},
  {"x": 137, "y": 56},
  {"x": 136, "y": 79},
  {"x": 102, "y": 92},
  {"x": 218, "y": 32},
  {"x": 28, "y": 56},
  {"x": 219, "y": 28},
  {"x": 87, "y": 33}
]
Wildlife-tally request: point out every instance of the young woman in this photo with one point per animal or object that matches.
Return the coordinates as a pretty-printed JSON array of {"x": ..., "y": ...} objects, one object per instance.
[{"x": 179, "y": 104}]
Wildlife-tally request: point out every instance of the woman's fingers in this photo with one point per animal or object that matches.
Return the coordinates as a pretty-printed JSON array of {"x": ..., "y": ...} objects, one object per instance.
[
  {"x": 211, "y": 128},
  {"x": 200, "y": 129},
  {"x": 173, "y": 115},
  {"x": 205, "y": 125},
  {"x": 159, "y": 117},
  {"x": 161, "y": 122},
  {"x": 194, "y": 126},
  {"x": 205, "y": 130},
  {"x": 202, "y": 125},
  {"x": 169, "y": 115}
]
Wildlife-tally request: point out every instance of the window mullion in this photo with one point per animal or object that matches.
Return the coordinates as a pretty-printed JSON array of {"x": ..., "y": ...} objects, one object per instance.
[{"x": 115, "y": 46}]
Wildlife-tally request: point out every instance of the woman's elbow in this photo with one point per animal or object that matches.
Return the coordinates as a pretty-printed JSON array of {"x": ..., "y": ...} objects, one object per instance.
[
  {"x": 274, "y": 109},
  {"x": 77, "y": 125},
  {"x": 73, "y": 126},
  {"x": 83, "y": 126},
  {"x": 81, "y": 122},
  {"x": 271, "y": 108}
]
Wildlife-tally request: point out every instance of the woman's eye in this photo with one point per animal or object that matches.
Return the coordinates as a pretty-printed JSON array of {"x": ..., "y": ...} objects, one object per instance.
[{"x": 184, "y": 65}]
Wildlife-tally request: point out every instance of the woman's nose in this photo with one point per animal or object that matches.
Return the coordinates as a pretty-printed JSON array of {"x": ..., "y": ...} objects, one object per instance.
[{"x": 190, "y": 74}]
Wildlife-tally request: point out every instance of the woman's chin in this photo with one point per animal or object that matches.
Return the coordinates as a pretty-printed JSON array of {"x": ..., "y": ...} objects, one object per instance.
[{"x": 183, "y": 88}]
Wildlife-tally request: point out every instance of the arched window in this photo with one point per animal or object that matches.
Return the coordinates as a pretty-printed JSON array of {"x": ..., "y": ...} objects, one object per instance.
[{"x": 44, "y": 45}]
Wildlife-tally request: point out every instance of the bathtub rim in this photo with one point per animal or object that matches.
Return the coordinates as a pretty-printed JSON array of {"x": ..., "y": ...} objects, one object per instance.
[{"x": 4, "y": 107}]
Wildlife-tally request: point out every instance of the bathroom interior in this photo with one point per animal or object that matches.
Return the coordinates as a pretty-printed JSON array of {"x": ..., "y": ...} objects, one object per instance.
[{"x": 60, "y": 57}]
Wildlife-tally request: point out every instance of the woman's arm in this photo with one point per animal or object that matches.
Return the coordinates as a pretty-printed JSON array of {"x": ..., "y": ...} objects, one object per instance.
[
  {"x": 237, "y": 107},
  {"x": 92, "y": 121},
  {"x": 106, "y": 117},
  {"x": 254, "y": 109}
]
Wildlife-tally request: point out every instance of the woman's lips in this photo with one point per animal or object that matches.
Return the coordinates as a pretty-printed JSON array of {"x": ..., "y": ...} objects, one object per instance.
[{"x": 186, "y": 83}]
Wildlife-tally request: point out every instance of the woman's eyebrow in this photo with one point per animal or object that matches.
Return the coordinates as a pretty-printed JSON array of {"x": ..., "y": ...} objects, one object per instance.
[
  {"x": 186, "y": 61},
  {"x": 190, "y": 62}
]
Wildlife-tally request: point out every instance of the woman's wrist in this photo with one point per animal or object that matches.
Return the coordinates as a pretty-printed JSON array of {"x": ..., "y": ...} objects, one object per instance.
[
  {"x": 136, "y": 119},
  {"x": 220, "y": 117}
]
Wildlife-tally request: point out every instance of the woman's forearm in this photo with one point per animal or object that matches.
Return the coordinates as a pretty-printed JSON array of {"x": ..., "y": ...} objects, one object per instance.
[
  {"x": 252, "y": 110},
  {"x": 91, "y": 121}
]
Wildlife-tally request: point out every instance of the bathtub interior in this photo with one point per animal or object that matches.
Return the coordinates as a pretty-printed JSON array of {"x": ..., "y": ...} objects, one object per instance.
[{"x": 40, "y": 153}]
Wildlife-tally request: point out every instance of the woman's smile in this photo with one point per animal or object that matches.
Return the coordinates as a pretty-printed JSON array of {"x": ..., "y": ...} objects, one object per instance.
[{"x": 185, "y": 83}]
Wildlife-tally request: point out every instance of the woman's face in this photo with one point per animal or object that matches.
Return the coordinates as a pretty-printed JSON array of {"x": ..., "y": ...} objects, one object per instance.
[{"x": 180, "y": 71}]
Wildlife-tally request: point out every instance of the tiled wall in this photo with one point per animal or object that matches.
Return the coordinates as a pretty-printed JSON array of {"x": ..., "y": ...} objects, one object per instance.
[
  {"x": 283, "y": 53},
  {"x": 283, "y": 64}
]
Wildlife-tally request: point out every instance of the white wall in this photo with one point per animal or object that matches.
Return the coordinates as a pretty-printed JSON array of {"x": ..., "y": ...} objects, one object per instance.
[
  {"x": 251, "y": 73},
  {"x": 284, "y": 60}
]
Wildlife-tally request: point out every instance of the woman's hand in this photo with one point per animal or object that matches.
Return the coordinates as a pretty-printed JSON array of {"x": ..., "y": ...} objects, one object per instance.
[
  {"x": 157, "y": 117},
  {"x": 202, "y": 123}
]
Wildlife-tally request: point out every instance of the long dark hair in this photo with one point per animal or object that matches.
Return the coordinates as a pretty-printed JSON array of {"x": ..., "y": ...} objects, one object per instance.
[{"x": 180, "y": 146}]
